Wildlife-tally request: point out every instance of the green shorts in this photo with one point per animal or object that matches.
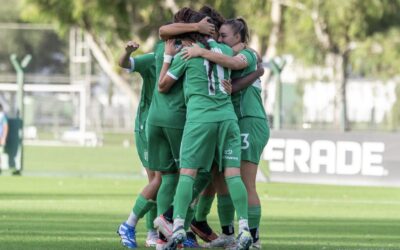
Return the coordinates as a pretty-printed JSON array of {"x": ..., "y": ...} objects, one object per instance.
[
  {"x": 142, "y": 147},
  {"x": 163, "y": 145},
  {"x": 204, "y": 142},
  {"x": 254, "y": 134}
]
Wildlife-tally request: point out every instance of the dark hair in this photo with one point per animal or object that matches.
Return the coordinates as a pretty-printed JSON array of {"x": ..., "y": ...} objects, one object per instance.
[
  {"x": 202, "y": 39},
  {"x": 1, "y": 107},
  {"x": 183, "y": 15},
  {"x": 239, "y": 25},
  {"x": 196, "y": 17},
  {"x": 217, "y": 18}
]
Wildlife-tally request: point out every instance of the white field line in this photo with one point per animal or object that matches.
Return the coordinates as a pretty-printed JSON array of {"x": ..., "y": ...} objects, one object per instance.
[
  {"x": 270, "y": 199},
  {"x": 336, "y": 201}
]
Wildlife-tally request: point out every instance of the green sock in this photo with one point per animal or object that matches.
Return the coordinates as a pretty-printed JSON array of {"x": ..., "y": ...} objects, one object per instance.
[
  {"x": 226, "y": 210},
  {"x": 166, "y": 192},
  {"x": 150, "y": 217},
  {"x": 201, "y": 182},
  {"x": 183, "y": 196},
  {"x": 142, "y": 206},
  {"x": 238, "y": 194},
  {"x": 254, "y": 216},
  {"x": 189, "y": 217},
  {"x": 203, "y": 207}
]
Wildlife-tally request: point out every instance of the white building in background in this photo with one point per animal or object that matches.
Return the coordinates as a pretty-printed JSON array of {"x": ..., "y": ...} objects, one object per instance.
[{"x": 367, "y": 100}]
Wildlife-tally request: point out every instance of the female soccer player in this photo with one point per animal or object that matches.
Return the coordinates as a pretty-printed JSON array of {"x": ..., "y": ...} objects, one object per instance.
[
  {"x": 211, "y": 130},
  {"x": 145, "y": 203},
  {"x": 247, "y": 101}
]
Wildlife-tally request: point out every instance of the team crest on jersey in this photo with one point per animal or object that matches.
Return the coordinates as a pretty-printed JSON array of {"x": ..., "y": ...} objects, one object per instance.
[{"x": 228, "y": 152}]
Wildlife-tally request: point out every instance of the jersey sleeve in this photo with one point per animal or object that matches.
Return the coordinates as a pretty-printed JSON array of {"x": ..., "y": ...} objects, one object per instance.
[
  {"x": 226, "y": 49},
  {"x": 142, "y": 63},
  {"x": 177, "y": 68},
  {"x": 249, "y": 57}
]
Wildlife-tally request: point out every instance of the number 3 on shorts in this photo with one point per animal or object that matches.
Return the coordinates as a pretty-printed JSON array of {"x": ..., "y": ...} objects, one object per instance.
[{"x": 245, "y": 141}]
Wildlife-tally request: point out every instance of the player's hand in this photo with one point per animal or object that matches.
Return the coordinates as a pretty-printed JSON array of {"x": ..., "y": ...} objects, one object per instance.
[
  {"x": 170, "y": 48},
  {"x": 205, "y": 27},
  {"x": 238, "y": 47},
  {"x": 131, "y": 46},
  {"x": 190, "y": 52},
  {"x": 227, "y": 84},
  {"x": 186, "y": 43},
  {"x": 260, "y": 69}
]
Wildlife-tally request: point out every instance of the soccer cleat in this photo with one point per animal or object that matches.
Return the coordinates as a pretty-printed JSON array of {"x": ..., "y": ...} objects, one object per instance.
[
  {"x": 160, "y": 244},
  {"x": 191, "y": 241},
  {"x": 203, "y": 230},
  {"x": 178, "y": 237},
  {"x": 128, "y": 235},
  {"x": 152, "y": 238},
  {"x": 244, "y": 240},
  {"x": 163, "y": 226},
  {"x": 256, "y": 245},
  {"x": 223, "y": 240}
]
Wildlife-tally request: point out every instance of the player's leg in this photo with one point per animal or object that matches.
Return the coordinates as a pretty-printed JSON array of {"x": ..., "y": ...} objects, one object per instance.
[
  {"x": 146, "y": 199},
  {"x": 152, "y": 235},
  {"x": 226, "y": 215},
  {"x": 163, "y": 160},
  {"x": 199, "y": 224},
  {"x": 168, "y": 150},
  {"x": 255, "y": 135},
  {"x": 197, "y": 149},
  {"x": 249, "y": 173},
  {"x": 165, "y": 222},
  {"x": 229, "y": 154}
]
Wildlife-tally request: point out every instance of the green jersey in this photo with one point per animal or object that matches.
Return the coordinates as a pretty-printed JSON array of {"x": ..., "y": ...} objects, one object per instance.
[
  {"x": 248, "y": 102},
  {"x": 145, "y": 65},
  {"x": 206, "y": 99},
  {"x": 167, "y": 109}
]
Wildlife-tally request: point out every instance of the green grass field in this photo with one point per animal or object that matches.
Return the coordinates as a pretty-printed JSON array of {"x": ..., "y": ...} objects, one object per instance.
[{"x": 74, "y": 198}]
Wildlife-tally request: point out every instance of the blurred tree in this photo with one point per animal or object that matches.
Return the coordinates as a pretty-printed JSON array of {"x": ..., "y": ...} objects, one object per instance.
[
  {"x": 108, "y": 25},
  {"x": 340, "y": 27},
  {"x": 43, "y": 44},
  {"x": 316, "y": 31}
]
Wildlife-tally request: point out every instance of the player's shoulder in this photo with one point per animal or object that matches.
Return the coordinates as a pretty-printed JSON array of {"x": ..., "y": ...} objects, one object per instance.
[
  {"x": 159, "y": 47},
  {"x": 222, "y": 46},
  {"x": 249, "y": 53}
]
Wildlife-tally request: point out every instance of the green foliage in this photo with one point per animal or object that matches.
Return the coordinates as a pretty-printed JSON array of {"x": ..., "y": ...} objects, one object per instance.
[
  {"x": 352, "y": 25},
  {"x": 378, "y": 55},
  {"x": 299, "y": 38},
  {"x": 46, "y": 48},
  {"x": 9, "y": 11}
]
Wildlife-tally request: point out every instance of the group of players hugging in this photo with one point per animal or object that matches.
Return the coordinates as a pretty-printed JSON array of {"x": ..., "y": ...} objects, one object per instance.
[{"x": 200, "y": 130}]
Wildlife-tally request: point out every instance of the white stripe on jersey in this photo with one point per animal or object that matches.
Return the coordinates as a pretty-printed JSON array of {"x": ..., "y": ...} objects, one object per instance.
[
  {"x": 257, "y": 83},
  {"x": 172, "y": 75}
]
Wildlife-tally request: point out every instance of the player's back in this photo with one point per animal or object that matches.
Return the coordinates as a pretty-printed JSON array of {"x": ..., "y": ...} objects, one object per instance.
[
  {"x": 167, "y": 110},
  {"x": 206, "y": 98}
]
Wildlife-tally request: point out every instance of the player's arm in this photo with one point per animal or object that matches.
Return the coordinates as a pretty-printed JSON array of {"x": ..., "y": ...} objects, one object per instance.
[
  {"x": 236, "y": 63},
  {"x": 166, "y": 81},
  {"x": 245, "y": 81},
  {"x": 227, "y": 85},
  {"x": 124, "y": 60},
  {"x": 204, "y": 27}
]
